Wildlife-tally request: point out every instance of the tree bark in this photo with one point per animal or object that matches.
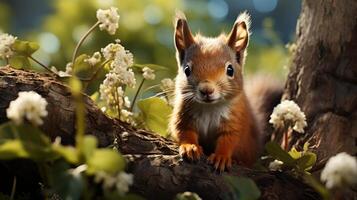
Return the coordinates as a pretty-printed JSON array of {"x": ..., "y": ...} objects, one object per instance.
[
  {"x": 159, "y": 171},
  {"x": 323, "y": 76}
]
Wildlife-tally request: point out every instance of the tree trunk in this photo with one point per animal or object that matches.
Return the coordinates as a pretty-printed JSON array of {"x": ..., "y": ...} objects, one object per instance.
[
  {"x": 323, "y": 76},
  {"x": 159, "y": 171}
]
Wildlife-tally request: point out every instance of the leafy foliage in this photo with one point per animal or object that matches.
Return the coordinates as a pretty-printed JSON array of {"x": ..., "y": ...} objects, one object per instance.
[
  {"x": 243, "y": 188},
  {"x": 301, "y": 161},
  {"x": 156, "y": 112}
]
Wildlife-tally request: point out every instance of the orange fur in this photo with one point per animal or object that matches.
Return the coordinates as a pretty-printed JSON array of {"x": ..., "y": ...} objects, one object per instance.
[
  {"x": 189, "y": 145},
  {"x": 220, "y": 124}
]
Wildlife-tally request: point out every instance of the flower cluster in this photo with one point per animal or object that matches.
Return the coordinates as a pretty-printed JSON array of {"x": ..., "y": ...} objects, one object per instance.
[
  {"x": 120, "y": 182},
  {"x": 28, "y": 105},
  {"x": 119, "y": 76},
  {"x": 95, "y": 59},
  {"x": 6, "y": 41},
  {"x": 108, "y": 19},
  {"x": 275, "y": 165},
  {"x": 148, "y": 73},
  {"x": 288, "y": 113},
  {"x": 340, "y": 170},
  {"x": 66, "y": 73}
]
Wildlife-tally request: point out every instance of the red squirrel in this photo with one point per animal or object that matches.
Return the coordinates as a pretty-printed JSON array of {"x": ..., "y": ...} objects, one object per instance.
[{"x": 212, "y": 114}]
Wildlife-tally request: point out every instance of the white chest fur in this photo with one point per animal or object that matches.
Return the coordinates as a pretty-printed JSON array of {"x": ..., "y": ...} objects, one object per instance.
[{"x": 208, "y": 118}]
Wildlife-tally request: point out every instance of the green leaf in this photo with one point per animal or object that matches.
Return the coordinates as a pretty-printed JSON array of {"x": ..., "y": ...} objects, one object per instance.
[
  {"x": 243, "y": 188},
  {"x": 295, "y": 153},
  {"x": 156, "y": 113},
  {"x": 33, "y": 47},
  {"x": 69, "y": 153},
  {"x": 306, "y": 161},
  {"x": 107, "y": 160},
  {"x": 95, "y": 96},
  {"x": 89, "y": 146},
  {"x": 309, "y": 179},
  {"x": 19, "y": 62},
  {"x": 31, "y": 139},
  {"x": 24, "y": 132},
  {"x": 82, "y": 68},
  {"x": 13, "y": 149},
  {"x": 277, "y": 152},
  {"x": 25, "y": 48},
  {"x": 66, "y": 184}
]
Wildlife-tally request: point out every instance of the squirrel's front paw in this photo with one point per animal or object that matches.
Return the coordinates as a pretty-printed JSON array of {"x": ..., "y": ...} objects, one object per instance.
[
  {"x": 190, "y": 151},
  {"x": 220, "y": 161}
]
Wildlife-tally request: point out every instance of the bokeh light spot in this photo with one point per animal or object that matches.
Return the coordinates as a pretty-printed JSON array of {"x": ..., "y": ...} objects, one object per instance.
[
  {"x": 265, "y": 5},
  {"x": 217, "y": 8},
  {"x": 49, "y": 42},
  {"x": 153, "y": 14}
]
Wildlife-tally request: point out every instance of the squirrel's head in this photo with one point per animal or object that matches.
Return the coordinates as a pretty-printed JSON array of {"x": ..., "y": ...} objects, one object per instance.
[{"x": 210, "y": 69}]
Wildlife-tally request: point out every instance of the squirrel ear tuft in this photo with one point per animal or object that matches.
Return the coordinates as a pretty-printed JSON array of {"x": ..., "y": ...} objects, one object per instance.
[
  {"x": 238, "y": 38},
  {"x": 183, "y": 36}
]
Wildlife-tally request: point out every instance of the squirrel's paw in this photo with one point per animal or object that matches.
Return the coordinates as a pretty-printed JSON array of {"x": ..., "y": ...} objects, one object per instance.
[
  {"x": 220, "y": 161},
  {"x": 191, "y": 151}
]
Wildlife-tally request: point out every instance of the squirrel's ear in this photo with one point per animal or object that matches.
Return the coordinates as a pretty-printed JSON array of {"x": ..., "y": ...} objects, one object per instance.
[
  {"x": 238, "y": 38},
  {"x": 183, "y": 36}
]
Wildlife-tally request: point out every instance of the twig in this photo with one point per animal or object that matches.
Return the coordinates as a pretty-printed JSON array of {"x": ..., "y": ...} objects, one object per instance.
[
  {"x": 116, "y": 97},
  {"x": 13, "y": 189},
  {"x": 81, "y": 42},
  {"x": 286, "y": 140},
  {"x": 136, "y": 95},
  {"x": 41, "y": 64}
]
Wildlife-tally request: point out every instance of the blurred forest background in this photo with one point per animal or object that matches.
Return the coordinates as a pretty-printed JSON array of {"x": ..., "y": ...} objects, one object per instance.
[{"x": 146, "y": 29}]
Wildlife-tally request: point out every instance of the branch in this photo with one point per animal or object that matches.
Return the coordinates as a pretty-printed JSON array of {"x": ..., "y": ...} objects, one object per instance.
[{"x": 158, "y": 170}]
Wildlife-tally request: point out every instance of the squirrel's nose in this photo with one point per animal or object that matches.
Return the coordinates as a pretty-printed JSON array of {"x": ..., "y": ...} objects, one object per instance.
[{"x": 206, "y": 91}]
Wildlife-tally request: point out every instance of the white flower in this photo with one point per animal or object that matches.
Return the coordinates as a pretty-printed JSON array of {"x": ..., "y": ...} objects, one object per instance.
[
  {"x": 108, "y": 19},
  {"x": 69, "y": 68},
  {"x": 127, "y": 102},
  {"x": 148, "y": 73},
  {"x": 111, "y": 49},
  {"x": 107, "y": 180},
  {"x": 66, "y": 73},
  {"x": 125, "y": 76},
  {"x": 275, "y": 165},
  {"x": 340, "y": 170},
  {"x": 124, "y": 180},
  {"x": 28, "y": 105},
  {"x": 167, "y": 85},
  {"x": 126, "y": 114},
  {"x": 119, "y": 76},
  {"x": 54, "y": 69},
  {"x": 76, "y": 172},
  {"x": 94, "y": 59},
  {"x": 288, "y": 112},
  {"x": 121, "y": 181},
  {"x": 6, "y": 41},
  {"x": 116, "y": 52}
]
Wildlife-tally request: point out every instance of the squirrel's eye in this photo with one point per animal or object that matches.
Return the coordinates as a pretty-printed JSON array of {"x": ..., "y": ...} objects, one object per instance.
[
  {"x": 230, "y": 70},
  {"x": 187, "y": 70}
]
